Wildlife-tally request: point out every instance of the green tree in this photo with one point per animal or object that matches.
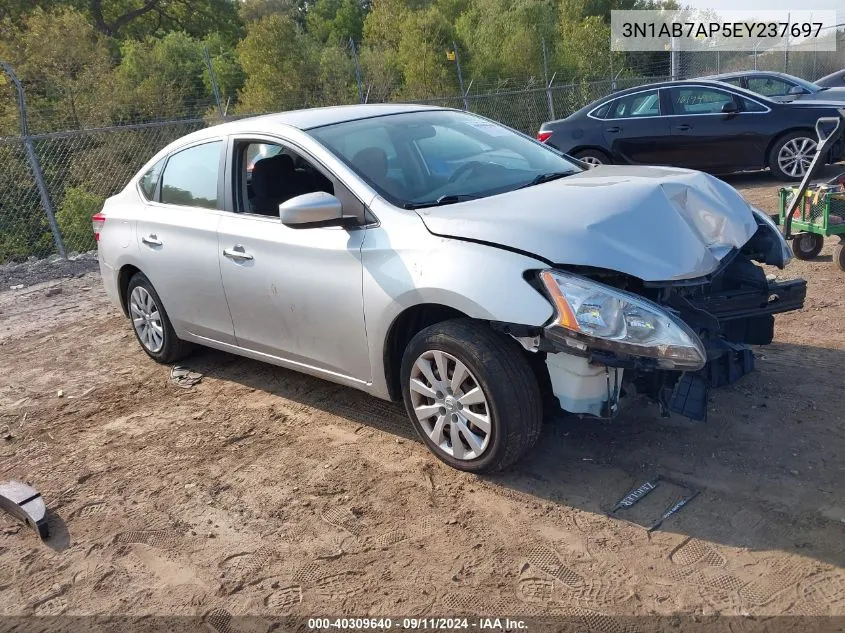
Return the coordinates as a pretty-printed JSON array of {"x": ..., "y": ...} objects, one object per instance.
[
  {"x": 65, "y": 66},
  {"x": 426, "y": 38},
  {"x": 74, "y": 218},
  {"x": 23, "y": 226},
  {"x": 141, "y": 19},
  {"x": 337, "y": 76},
  {"x": 335, "y": 21},
  {"x": 504, "y": 38},
  {"x": 410, "y": 42},
  {"x": 279, "y": 71},
  {"x": 227, "y": 68},
  {"x": 583, "y": 51},
  {"x": 254, "y": 10},
  {"x": 382, "y": 77},
  {"x": 162, "y": 78}
]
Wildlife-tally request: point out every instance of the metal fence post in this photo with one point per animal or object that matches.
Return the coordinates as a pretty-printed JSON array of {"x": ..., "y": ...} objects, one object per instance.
[
  {"x": 674, "y": 59},
  {"x": 361, "y": 97},
  {"x": 33, "y": 162},
  {"x": 548, "y": 83},
  {"x": 460, "y": 77},
  {"x": 786, "y": 48},
  {"x": 214, "y": 88}
]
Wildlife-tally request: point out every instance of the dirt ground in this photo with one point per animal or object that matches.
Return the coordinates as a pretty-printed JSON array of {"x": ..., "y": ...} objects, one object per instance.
[{"x": 261, "y": 491}]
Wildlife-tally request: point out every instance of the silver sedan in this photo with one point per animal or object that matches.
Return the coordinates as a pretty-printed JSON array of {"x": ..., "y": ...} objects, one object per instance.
[{"x": 435, "y": 256}]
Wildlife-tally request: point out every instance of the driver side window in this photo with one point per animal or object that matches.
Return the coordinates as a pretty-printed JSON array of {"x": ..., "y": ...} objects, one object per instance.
[
  {"x": 268, "y": 174},
  {"x": 698, "y": 100}
]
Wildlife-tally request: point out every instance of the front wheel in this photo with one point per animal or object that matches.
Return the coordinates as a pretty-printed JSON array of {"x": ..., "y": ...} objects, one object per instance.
[
  {"x": 471, "y": 395},
  {"x": 807, "y": 245}
]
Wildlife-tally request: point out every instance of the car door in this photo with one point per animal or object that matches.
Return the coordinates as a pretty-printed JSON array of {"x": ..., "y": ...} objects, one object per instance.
[
  {"x": 704, "y": 137},
  {"x": 634, "y": 128},
  {"x": 294, "y": 293},
  {"x": 177, "y": 240}
]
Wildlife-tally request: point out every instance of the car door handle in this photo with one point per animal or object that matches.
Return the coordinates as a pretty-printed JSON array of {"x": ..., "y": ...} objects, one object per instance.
[
  {"x": 614, "y": 129},
  {"x": 151, "y": 240},
  {"x": 683, "y": 127},
  {"x": 237, "y": 253}
]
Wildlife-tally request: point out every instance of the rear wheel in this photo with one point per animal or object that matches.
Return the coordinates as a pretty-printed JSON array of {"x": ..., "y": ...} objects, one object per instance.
[
  {"x": 791, "y": 156},
  {"x": 471, "y": 395},
  {"x": 592, "y": 157},
  {"x": 151, "y": 324},
  {"x": 807, "y": 245}
]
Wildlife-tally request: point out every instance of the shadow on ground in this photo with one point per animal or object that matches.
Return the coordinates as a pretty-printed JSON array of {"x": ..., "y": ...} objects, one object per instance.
[{"x": 767, "y": 462}]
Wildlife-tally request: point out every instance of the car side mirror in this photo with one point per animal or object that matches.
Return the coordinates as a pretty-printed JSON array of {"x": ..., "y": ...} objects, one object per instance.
[
  {"x": 311, "y": 209},
  {"x": 730, "y": 108},
  {"x": 796, "y": 90}
]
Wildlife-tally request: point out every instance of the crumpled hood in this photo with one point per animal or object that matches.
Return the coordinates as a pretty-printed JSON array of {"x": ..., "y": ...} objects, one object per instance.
[{"x": 655, "y": 223}]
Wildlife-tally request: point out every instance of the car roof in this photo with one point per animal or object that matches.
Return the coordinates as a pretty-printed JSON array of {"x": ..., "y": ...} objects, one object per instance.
[
  {"x": 670, "y": 84},
  {"x": 309, "y": 118},
  {"x": 679, "y": 83},
  {"x": 743, "y": 73},
  {"x": 305, "y": 119},
  {"x": 834, "y": 75}
]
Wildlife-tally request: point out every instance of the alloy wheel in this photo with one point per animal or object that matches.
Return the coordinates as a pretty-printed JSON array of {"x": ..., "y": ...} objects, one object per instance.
[
  {"x": 795, "y": 156},
  {"x": 592, "y": 161},
  {"x": 450, "y": 405},
  {"x": 146, "y": 319}
]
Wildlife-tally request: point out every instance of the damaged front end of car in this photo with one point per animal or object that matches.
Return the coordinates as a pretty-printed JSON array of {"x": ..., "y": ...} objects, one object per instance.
[{"x": 614, "y": 336}]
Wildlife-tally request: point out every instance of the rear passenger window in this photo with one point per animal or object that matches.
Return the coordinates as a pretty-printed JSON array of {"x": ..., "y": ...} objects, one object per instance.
[
  {"x": 641, "y": 104},
  {"x": 752, "y": 106},
  {"x": 601, "y": 112},
  {"x": 149, "y": 181},
  {"x": 191, "y": 176}
]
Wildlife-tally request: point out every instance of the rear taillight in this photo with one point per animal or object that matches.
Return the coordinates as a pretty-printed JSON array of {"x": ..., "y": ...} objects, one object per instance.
[
  {"x": 97, "y": 222},
  {"x": 543, "y": 136}
]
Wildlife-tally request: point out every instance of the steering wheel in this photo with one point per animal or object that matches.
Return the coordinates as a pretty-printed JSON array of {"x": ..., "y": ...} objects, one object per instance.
[{"x": 466, "y": 168}]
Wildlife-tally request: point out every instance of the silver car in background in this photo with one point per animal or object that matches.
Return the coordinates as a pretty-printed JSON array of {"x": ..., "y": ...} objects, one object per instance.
[{"x": 435, "y": 256}]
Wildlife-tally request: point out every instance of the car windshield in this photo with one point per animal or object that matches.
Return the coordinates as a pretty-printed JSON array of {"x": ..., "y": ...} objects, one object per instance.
[{"x": 427, "y": 158}]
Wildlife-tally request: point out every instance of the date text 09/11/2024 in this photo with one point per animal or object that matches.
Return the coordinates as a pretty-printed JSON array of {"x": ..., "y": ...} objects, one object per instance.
[{"x": 443, "y": 624}]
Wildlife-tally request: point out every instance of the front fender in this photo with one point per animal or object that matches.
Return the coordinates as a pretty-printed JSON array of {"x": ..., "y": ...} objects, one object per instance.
[{"x": 404, "y": 265}]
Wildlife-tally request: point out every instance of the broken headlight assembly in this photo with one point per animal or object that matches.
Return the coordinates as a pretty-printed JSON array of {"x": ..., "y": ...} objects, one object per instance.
[
  {"x": 592, "y": 315},
  {"x": 783, "y": 252}
]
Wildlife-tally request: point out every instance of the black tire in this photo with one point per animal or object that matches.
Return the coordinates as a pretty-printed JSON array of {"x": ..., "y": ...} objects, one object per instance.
[
  {"x": 807, "y": 245},
  {"x": 595, "y": 155},
  {"x": 172, "y": 348},
  {"x": 498, "y": 366},
  {"x": 772, "y": 158},
  {"x": 839, "y": 255}
]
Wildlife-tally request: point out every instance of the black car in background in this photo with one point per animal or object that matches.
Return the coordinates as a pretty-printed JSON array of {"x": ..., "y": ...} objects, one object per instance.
[
  {"x": 833, "y": 80},
  {"x": 782, "y": 87},
  {"x": 705, "y": 125}
]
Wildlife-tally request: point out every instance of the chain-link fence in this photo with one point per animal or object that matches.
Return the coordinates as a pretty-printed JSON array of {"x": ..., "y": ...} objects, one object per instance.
[{"x": 51, "y": 182}]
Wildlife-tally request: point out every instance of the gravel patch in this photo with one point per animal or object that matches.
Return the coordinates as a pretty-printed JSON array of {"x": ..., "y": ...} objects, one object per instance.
[{"x": 34, "y": 271}]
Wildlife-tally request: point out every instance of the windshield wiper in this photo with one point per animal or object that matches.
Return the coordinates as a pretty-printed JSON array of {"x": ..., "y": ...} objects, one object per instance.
[
  {"x": 449, "y": 198},
  {"x": 547, "y": 177}
]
